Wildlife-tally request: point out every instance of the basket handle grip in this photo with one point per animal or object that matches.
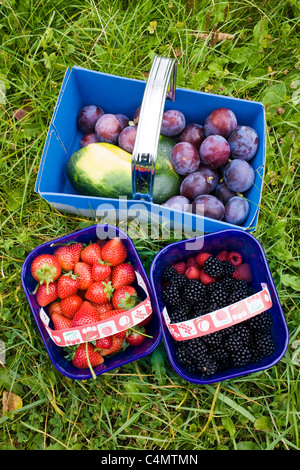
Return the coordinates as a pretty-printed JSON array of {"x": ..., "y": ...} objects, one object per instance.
[{"x": 160, "y": 85}]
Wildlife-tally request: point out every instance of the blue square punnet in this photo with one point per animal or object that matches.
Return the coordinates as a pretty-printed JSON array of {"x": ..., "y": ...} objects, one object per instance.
[{"x": 122, "y": 95}]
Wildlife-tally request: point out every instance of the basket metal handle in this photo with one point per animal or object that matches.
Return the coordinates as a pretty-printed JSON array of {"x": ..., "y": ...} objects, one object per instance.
[{"x": 161, "y": 84}]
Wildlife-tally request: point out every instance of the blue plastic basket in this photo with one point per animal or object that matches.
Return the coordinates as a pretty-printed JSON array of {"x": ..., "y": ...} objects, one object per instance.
[
  {"x": 116, "y": 94},
  {"x": 253, "y": 254},
  {"x": 55, "y": 352}
]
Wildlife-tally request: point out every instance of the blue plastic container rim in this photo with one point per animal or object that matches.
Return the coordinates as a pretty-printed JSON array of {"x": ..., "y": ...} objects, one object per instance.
[{"x": 236, "y": 373}]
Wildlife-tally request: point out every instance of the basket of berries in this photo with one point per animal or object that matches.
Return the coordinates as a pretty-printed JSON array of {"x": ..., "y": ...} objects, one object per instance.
[
  {"x": 220, "y": 313},
  {"x": 91, "y": 300}
]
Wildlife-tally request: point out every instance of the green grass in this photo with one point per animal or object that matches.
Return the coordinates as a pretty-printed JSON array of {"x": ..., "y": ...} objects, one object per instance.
[{"x": 145, "y": 405}]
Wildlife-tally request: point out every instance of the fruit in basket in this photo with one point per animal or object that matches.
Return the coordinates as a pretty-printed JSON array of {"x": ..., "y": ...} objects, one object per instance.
[
  {"x": 108, "y": 128},
  {"x": 221, "y": 121},
  {"x": 61, "y": 322},
  {"x": 86, "y": 354},
  {"x": 214, "y": 151},
  {"x": 124, "y": 297},
  {"x": 243, "y": 143},
  {"x": 99, "y": 292},
  {"x": 185, "y": 158},
  {"x": 173, "y": 123},
  {"x": 178, "y": 203},
  {"x": 101, "y": 270},
  {"x": 194, "y": 134},
  {"x": 126, "y": 139},
  {"x": 45, "y": 268},
  {"x": 104, "y": 170},
  {"x": 223, "y": 192},
  {"x": 124, "y": 120},
  {"x": 236, "y": 210},
  {"x": 87, "y": 118},
  {"x": 122, "y": 275},
  {"x": 67, "y": 284},
  {"x": 114, "y": 251},
  {"x": 239, "y": 176},
  {"x": 46, "y": 293},
  {"x": 136, "y": 336},
  {"x": 69, "y": 305},
  {"x": 91, "y": 253},
  {"x": 88, "y": 139},
  {"x": 85, "y": 315},
  {"x": 209, "y": 206},
  {"x": 84, "y": 273}
]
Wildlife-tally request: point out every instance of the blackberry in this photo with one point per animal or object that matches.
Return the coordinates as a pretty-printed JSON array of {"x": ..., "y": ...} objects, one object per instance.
[
  {"x": 196, "y": 349},
  {"x": 228, "y": 284},
  {"x": 261, "y": 322},
  {"x": 213, "y": 339},
  {"x": 214, "y": 267},
  {"x": 241, "y": 357},
  {"x": 217, "y": 294},
  {"x": 194, "y": 292},
  {"x": 180, "y": 313},
  {"x": 233, "y": 342},
  {"x": 228, "y": 268},
  {"x": 239, "y": 291},
  {"x": 179, "y": 280},
  {"x": 171, "y": 295},
  {"x": 263, "y": 346},
  {"x": 169, "y": 273},
  {"x": 210, "y": 366},
  {"x": 242, "y": 330}
]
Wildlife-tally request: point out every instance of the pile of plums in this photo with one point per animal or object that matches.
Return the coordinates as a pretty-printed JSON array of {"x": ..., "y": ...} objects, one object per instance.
[{"x": 213, "y": 158}]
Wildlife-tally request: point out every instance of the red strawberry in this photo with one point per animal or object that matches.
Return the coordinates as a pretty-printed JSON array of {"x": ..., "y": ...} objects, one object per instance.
[
  {"x": 242, "y": 273},
  {"x": 192, "y": 273},
  {"x": 223, "y": 255},
  {"x": 104, "y": 343},
  {"x": 101, "y": 308},
  {"x": 180, "y": 267},
  {"x": 67, "y": 285},
  {"x": 86, "y": 353},
  {"x": 99, "y": 292},
  {"x": 116, "y": 346},
  {"x": 75, "y": 249},
  {"x": 235, "y": 258},
  {"x": 91, "y": 253},
  {"x": 54, "y": 307},
  {"x": 122, "y": 275},
  {"x": 65, "y": 257},
  {"x": 70, "y": 305},
  {"x": 46, "y": 293},
  {"x": 110, "y": 313},
  {"x": 100, "y": 271},
  {"x": 101, "y": 242},
  {"x": 45, "y": 269},
  {"x": 136, "y": 337},
  {"x": 60, "y": 322},
  {"x": 202, "y": 257},
  {"x": 84, "y": 272},
  {"x": 124, "y": 297},
  {"x": 85, "y": 315},
  {"x": 121, "y": 334},
  {"x": 205, "y": 278},
  {"x": 114, "y": 251}
]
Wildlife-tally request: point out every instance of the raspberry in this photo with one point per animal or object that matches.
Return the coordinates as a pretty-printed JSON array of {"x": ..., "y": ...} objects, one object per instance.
[
  {"x": 205, "y": 278},
  {"x": 191, "y": 262},
  {"x": 243, "y": 273},
  {"x": 223, "y": 255},
  {"x": 235, "y": 258},
  {"x": 179, "y": 267},
  {"x": 192, "y": 273},
  {"x": 202, "y": 257}
]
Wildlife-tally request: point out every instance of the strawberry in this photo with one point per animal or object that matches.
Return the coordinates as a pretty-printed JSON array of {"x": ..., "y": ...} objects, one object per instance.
[
  {"x": 223, "y": 255},
  {"x": 104, "y": 343},
  {"x": 99, "y": 292},
  {"x": 136, "y": 337},
  {"x": 86, "y": 355},
  {"x": 67, "y": 285},
  {"x": 65, "y": 257},
  {"x": 45, "y": 269},
  {"x": 91, "y": 253},
  {"x": 180, "y": 267},
  {"x": 192, "y": 273},
  {"x": 111, "y": 313},
  {"x": 121, "y": 334},
  {"x": 116, "y": 346},
  {"x": 85, "y": 315},
  {"x": 70, "y": 305},
  {"x": 60, "y": 322},
  {"x": 235, "y": 258},
  {"x": 242, "y": 272},
  {"x": 122, "y": 275},
  {"x": 205, "y": 278},
  {"x": 101, "y": 308},
  {"x": 114, "y": 251},
  {"x": 101, "y": 270},
  {"x": 54, "y": 307},
  {"x": 84, "y": 272},
  {"x": 75, "y": 249},
  {"x": 46, "y": 293},
  {"x": 202, "y": 257},
  {"x": 124, "y": 297}
]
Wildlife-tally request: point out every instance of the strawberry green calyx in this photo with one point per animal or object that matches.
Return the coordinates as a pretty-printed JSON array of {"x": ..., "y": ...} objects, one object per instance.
[
  {"x": 108, "y": 289},
  {"x": 46, "y": 274},
  {"x": 128, "y": 301}
]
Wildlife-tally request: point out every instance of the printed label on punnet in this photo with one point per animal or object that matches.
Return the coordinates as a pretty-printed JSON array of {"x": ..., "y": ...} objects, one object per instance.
[
  {"x": 222, "y": 318},
  {"x": 104, "y": 328}
]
